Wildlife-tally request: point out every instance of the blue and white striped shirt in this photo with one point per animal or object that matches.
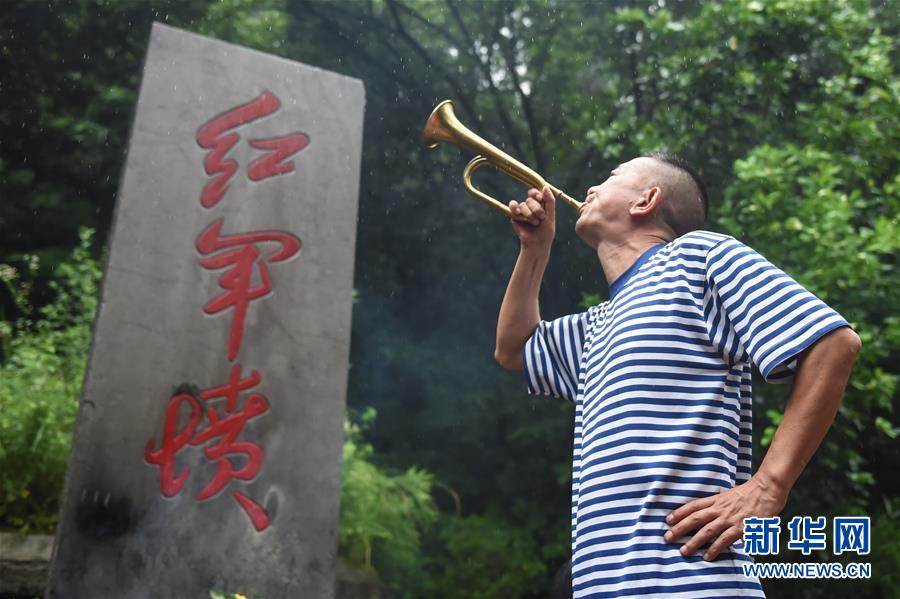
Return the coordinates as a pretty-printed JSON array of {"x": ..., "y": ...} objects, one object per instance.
[{"x": 660, "y": 377}]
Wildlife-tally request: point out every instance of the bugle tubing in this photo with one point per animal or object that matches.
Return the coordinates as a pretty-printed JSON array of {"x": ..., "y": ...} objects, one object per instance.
[{"x": 443, "y": 126}]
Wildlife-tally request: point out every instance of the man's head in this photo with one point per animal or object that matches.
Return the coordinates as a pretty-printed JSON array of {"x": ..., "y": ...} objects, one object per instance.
[{"x": 653, "y": 193}]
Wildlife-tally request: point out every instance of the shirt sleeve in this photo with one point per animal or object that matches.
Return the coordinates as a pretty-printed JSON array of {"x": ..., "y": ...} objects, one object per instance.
[
  {"x": 552, "y": 356},
  {"x": 755, "y": 311}
]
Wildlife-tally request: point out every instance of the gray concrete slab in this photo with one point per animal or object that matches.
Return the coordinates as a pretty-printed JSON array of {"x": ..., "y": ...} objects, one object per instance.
[{"x": 231, "y": 253}]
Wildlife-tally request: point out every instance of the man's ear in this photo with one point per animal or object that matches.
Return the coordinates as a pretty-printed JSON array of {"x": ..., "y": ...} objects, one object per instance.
[{"x": 648, "y": 204}]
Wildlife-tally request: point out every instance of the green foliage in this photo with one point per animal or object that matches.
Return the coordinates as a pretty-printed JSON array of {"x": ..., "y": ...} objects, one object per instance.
[
  {"x": 383, "y": 514},
  {"x": 70, "y": 75},
  {"x": 484, "y": 557},
  {"x": 255, "y": 23},
  {"x": 40, "y": 383},
  {"x": 885, "y": 555},
  {"x": 787, "y": 107}
]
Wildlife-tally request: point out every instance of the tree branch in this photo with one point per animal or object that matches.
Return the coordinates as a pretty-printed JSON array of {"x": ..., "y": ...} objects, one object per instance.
[
  {"x": 525, "y": 99},
  {"x": 635, "y": 84},
  {"x": 464, "y": 101},
  {"x": 312, "y": 9},
  {"x": 577, "y": 174},
  {"x": 486, "y": 73},
  {"x": 442, "y": 31}
]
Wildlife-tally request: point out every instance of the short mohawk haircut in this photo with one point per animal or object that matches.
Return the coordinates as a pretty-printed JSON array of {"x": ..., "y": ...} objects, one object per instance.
[{"x": 683, "y": 165}]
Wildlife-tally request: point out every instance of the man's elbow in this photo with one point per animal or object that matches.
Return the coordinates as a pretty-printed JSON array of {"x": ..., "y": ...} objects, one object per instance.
[
  {"x": 508, "y": 360},
  {"x": 851, "y": 342},
  {"x": 844, "y": 345}
]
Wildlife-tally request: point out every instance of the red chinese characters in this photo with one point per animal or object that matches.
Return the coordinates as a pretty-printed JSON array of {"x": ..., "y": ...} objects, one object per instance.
[
  {"x": 216, "y": 135},
  {"x": 240, "y": 254},
  {"x": 243, "y": 261},
  {"x": 221, "y": 427}
]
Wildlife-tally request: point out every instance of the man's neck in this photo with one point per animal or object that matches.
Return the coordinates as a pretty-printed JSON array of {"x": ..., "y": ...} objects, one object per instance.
[{"x": 616, "y": 256}]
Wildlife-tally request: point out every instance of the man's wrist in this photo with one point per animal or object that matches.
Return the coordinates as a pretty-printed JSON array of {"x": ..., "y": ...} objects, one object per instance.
[
  {"x": 538, "y": 252},
  {"x": 773, "y": 484}
]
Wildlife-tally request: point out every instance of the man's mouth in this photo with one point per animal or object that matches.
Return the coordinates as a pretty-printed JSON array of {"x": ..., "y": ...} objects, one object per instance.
[{"x": 584, "y": 204}]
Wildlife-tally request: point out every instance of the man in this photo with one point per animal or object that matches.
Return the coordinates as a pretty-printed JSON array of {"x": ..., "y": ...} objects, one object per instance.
[{"x": 660, "y": 377}]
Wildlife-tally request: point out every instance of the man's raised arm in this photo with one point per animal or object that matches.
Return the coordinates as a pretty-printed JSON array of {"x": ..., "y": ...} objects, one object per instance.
[{"x": 519, "y": 312}]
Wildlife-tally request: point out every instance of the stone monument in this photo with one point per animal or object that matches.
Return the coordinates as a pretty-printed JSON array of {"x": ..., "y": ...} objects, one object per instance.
[{"x": 208, "y": 440}]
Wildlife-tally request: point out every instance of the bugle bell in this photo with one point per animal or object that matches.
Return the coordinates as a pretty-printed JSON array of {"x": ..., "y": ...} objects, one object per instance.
[{"x": 443, "y": 126}]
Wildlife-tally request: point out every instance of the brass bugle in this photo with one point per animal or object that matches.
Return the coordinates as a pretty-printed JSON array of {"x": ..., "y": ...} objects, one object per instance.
[{"x": 443, "y": 126}]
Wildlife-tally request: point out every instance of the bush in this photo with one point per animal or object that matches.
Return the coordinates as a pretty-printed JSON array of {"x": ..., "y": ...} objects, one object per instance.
[
  {"x": 40, "y": 383},
  {"x": 383, "y": 514},
  {"x": 485, "y": 557}
]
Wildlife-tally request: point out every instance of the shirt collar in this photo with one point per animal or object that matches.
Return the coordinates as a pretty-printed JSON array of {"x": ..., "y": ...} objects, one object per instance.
[{"x": 616, "y": 286}]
